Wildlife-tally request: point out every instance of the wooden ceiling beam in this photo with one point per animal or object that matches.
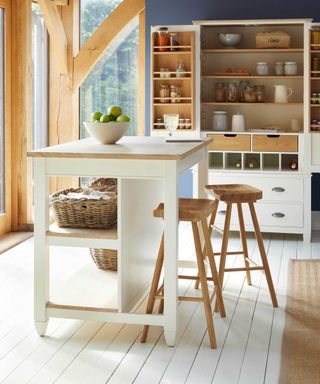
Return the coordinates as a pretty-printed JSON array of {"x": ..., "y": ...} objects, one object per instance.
[
  {"x": 58, "y": 39},
  {"x": 94, "y": 48}
]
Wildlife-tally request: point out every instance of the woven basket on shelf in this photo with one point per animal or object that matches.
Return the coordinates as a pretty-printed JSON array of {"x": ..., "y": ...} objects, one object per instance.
[
  {"x": 106, "y": 259},
  {"x": 105, "y": 184},
  {"x": 84, "y": 213}
]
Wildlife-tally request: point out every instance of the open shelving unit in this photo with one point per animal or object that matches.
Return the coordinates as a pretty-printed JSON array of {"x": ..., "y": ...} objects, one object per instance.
[{"x": 184, "y": 105}]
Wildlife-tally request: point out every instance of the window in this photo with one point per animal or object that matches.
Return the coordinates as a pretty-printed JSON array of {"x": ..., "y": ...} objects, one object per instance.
[
  {"x": 2, "y": 107},
  {"x": 114, "y": 79},
  {"x": 39, "y": 79}
]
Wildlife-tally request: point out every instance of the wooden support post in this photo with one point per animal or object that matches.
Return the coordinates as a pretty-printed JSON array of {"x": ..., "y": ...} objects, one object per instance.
[
  {"x": 21, "y": 125},
  {"x": 58, "y": 38}
]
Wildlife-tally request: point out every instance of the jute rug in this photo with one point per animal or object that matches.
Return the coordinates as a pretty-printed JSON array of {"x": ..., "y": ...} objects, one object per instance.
[{"x": 300, "y": 362}]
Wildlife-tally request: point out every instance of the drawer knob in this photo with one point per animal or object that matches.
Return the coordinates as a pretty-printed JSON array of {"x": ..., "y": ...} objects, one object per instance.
[
  {"x": 278, "y": 215},
  {"x": 222, "y": 212},
  {"x": 278, "y": 189}
]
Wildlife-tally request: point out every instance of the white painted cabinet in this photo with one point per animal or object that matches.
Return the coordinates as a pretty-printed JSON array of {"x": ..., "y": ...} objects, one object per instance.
[{"x": 278, "y": 162}]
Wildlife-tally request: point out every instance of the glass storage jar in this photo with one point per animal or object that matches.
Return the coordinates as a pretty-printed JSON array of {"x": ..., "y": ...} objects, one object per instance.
[
  {"x": 250, "y": 94},
  {"x": 163, "y": 39},
  {"x": 174, "y": 41},
  {"x": 232, "y": 92},
  {"x": 279, "y": 68},
  {"x": 175, "y": 93},
  {"x": 219, "y": 89},
  {"x": 164, "y": 93},
  {"x": 259, "y": 90}
]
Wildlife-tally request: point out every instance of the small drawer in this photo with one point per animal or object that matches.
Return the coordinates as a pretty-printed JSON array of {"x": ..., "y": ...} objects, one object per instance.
[
  {"x": 274, "y": 189},
  {"x": 275, "y": 143},
  {"x": 268, "y": 214},
  {"x": 230, "y": 142}
]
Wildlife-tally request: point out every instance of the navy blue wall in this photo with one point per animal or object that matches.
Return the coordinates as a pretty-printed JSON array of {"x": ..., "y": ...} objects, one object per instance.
[{"x": 184, "y": 11}]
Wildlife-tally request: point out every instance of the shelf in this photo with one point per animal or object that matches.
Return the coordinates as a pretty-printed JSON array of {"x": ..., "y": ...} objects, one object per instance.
[
  {"x": 173, "y": 98},
  {"x": 171, "y": 78},
  {"x": 315, "y": 105},
  {"x": 172, "y": 46},
  {"x": 82, "y": 237},
  {"x": 315, "y": 51},
  {"x": 251, "y": 77},
  {"x": 251, "y": 50},
  {"x": 315, "y": 78},
  {"x": 173, "y": 53},
  {"x": 173, "y": 72},
  {"x": 252, "y": 104},
  {"x": 110, "y": 234},
  {"x": 171, "y": 104}
]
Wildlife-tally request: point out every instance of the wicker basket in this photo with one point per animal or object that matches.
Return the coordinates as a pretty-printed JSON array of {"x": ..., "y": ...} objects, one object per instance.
[
  {"x": 105, "y": 184},
  {"x": 106, "y": 259},
  {"x": 84, "y": 213}
]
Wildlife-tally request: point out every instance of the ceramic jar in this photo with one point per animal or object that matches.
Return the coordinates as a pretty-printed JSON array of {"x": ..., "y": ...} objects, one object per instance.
[
  {"x": 262, "y": 68},
  {"x": 220, "y": 121},
  {"x": 290, "y": 68}
]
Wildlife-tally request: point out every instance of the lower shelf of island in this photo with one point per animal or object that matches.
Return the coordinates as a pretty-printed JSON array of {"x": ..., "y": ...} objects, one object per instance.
[{"x": 83, "y": 237}]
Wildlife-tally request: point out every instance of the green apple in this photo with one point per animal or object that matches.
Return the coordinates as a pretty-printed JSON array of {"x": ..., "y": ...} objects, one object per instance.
[
  {"x": 114, "y": 110},
  {"x": 96, "y": 116},
  {"x": 123, "y": 118},
  {"x": 111, "y": 117},
  {"x": 105, "y": 119}
]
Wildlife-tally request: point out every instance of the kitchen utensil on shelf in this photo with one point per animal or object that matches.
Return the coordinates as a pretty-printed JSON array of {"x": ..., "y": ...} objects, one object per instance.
[
  {"x": 171, "y": 122},
  {"x": 259, "y": 91},
  {"x": 230, "y": 40},
  {"x": 219, "y": 91},
  {"x": 238, "y": 124},
  {"x": 220, "y": 121},
  {"x": 282, "y": 93}
]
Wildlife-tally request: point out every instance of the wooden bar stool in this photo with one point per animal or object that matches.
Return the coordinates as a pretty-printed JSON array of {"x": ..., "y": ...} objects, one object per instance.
[
  {"x": 239, "y": 194},
  {"x": 195, "y": 211}
]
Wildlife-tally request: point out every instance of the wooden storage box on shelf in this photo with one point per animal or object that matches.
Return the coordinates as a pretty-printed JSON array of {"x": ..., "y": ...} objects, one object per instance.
[
  {"x": 229, "y": 142},
  {"x": 275, "y": 143},
  {"x": 273, "y": 40}
]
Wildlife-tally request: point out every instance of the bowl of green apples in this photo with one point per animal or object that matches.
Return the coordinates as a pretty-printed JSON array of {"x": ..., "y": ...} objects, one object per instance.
[{"x": 108, "y": 128}]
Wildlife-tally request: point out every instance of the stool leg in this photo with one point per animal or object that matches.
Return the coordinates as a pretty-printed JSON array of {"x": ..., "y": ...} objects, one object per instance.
[
  {"x": 154, "y": 288},
  {"x": 161, "y": 305},
  {"x": 244, "y": 242},
  {"x": 263, "y": 255},
  {"x": 213, "y": 268},
  {"x": 204, "y": 285},
  {"x": 211, "y": 222},
  {"x": 224, "y": 246}
]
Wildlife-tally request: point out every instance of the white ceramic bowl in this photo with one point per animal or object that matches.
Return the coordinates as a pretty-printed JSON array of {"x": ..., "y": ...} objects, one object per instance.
[
  {"x": 107, "y": 133},
  {"x": 230, "y": 40}
]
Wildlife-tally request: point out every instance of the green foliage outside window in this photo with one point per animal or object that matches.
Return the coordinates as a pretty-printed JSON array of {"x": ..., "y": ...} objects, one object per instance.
[{"x": 113, "y": 80}]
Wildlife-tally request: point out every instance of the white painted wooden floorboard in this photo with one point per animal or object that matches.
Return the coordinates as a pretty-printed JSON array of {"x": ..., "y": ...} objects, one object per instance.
[
  {"x": 255, "y": 358},
  {"x": 186, "y": 355},
  {"x": 88, "y": 352},
  {"x": 234, "y": 347}
]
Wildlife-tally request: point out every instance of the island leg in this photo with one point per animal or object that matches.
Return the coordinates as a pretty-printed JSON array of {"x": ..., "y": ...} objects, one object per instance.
[
  {"x": 41, "y": 249},
  {"x": 170, "y": 251}
]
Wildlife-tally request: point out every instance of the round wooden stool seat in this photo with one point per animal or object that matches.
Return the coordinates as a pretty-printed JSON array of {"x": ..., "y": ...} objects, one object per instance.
[
  {"x": 234, "y": 193},
  {"x": 190, "y": 209}
]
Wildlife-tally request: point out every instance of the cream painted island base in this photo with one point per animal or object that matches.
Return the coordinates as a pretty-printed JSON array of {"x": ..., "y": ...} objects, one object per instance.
[{"x": 147, "y": 170}]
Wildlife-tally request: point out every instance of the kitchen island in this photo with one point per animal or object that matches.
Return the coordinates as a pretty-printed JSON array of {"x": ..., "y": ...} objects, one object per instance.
[{"x": 147, "y": 169}]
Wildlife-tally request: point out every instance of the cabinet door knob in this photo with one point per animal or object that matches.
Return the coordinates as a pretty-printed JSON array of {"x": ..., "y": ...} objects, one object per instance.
[
  {"x": 278, "y": 189},
  {"x": 222, "y": 212},
  {"x": 278, "y": 215}
]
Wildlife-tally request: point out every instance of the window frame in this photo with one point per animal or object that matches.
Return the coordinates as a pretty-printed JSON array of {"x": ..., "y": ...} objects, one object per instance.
[{"x": 5, "y": 218}]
